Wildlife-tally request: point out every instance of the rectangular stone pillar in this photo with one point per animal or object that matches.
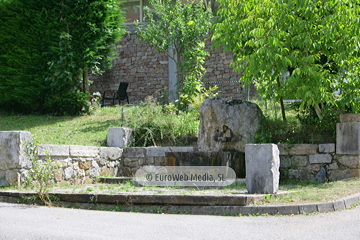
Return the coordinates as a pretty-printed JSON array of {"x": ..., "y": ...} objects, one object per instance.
[
  {"x": 348, "y": 138},
  {"x": 262, "y": 164},
  {"x": 13, "y": 159},
  {"x": 119, "y": 137}
]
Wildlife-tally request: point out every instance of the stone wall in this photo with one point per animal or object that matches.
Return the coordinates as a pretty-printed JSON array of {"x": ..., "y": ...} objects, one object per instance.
[
  {"x": 310, "y": 162},
  {"x": 140, "y": 65},
  {"x": 82, "y": 164},
  {"x": 147, "y": 72}
]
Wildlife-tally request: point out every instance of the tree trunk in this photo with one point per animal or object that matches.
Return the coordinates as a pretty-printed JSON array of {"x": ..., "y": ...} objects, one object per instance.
[
  {"x": 281, "y": 102},
  {"x": 85, "y": 81},
  {"x": 318, "y": 111}
]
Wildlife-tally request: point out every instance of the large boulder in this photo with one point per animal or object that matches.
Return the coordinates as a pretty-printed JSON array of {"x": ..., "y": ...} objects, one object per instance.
[{"x": 227, "y": 124}]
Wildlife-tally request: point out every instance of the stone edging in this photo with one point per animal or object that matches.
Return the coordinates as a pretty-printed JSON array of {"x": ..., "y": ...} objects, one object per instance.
[{"x": 205, "y": 205}]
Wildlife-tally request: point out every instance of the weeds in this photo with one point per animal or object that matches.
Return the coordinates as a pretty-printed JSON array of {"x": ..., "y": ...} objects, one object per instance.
[{"x": 41, "y": 174}]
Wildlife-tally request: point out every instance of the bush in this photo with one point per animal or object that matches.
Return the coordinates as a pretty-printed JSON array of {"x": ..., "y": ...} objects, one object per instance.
[
  {"x": 302, "y": 126},
  {"x": 156, "y": 125}
]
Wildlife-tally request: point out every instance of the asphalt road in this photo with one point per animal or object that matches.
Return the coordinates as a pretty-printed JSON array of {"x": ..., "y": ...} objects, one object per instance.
[{"x": 34, "y": 222}]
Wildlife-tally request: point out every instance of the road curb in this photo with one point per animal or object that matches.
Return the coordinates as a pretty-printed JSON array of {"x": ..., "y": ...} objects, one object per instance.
[{"x": 190, "y": 204}]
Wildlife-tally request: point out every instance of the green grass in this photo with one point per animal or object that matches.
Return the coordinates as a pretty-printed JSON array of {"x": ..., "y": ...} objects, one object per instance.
[
  {"x": 296, "y": 192},
  {"x": 149, "y": 120}
]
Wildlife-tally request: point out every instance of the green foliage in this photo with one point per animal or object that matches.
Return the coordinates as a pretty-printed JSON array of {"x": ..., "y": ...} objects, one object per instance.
[
  {"x": 41, "y": 174},
  {"x": 155, "y": 125},
  {"x": 172, "y": 24},
  {"x": 28, "y": 39},
  {"x": 303, "y": 125},
  {"x": 301, "y": 49},
  {"x": 47, "y": 48}
]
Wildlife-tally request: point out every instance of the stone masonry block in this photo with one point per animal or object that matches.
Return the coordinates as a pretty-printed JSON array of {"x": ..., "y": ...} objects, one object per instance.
[
  {"x": 350, "y": 161},
  {"x": 327, "y": 148},
  {"x": 12, "y": 177},
  {"x": 110, "y": 153},
  {"x": 298, "y": 149},
  {"x": 299, "y": 161},
  {"x": 119, "y": 137},
  {"x": 339, "y": 174},
  {"x": 262, "y": 168},
  {"x": 285, "y": 161},
  {"x": 12, "y": 148},
  {"x": 54, "y": 150},
  {"x": 350, "y": 117},
  {"x": 348, "y": 138},
  {"x": 320, "y": 158},
  {"x": 84, "y": 151},
  {"x": 134, "y": 152},
  {"x": 160, "y": 151}
]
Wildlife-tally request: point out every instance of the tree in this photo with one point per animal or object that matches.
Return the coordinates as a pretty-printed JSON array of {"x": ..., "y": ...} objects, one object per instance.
[
  {"x": 29, "y": 35},
  {"x": 183, "y": 27},
  {"x": 49, "y": 46},
  {"x": 90, "y": 30},
  {"x": 303, "y": 49}
]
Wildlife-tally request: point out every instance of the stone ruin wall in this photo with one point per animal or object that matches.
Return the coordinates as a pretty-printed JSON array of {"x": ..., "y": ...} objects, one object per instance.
[
  {"x": 146, "y": 70},
  {"x": 83, "y": 164},
  {"x": 316, "y": 162}
]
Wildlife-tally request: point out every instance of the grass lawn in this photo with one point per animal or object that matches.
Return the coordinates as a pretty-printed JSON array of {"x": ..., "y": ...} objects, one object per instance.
[
  {"x": 80, "y": 130},
  {"x": 91, "y": 130}
]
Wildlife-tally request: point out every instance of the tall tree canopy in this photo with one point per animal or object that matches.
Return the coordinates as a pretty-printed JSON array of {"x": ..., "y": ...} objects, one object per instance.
[
  {"x": 182, "y": 27},
  {"x": 302, "y": 49},
  {"x": 49, "y": 46}
]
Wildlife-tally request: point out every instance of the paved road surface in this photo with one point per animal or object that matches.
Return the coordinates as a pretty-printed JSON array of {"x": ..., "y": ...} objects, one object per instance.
[{"x": 33, "y": 222}]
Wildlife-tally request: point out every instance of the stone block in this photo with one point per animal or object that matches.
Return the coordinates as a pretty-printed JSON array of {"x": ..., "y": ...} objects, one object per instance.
[
  {"x": 271, "y": 210},
  {"x": 339, "y": 205},
  {"x": 235, "y": 119},
  {"x": 87, "y": 180},
  {"x": 12, "y": 177},
  {"x": 298, "y": 149},
  {"x": 320, "y": 158},
  {"x": 12, "y": 150},
  {"x": 348, "y": 138},
  {"x": 351, "y": 201},
  {"x": 294, "y": 173},
  {"x": 350, "y": 161},
  {"x": 307, "y": 208},
  {"x": 350, "y": 117},
  {"x": 134, "y": 152},
  {"x": 94, "y": 170},
  {"x": 325, "y": 207},
  {"x": 119, "y": 137},
  {"x": 339, "y": 174},
  {"x": 299, "y": 161},
  {"x": 84, "y": 165},
  {"x": 262, "y": 168},
  {"x": 321, "y": 175},
  {"x": 248, "y": 210},
  {"x": 285, "y": 161},
  {"x": 327, "y": 148},
  {"x": 68, "y": 173},
  {"x": 355, "y": 173},
  {"x": 54, "y": 150},
  {"x": 84, "y": 151},
  {"x": 110, "y": 153},
  {"x": 58, "y": 174},
  {"x": 2, "y": 177},
  {"x": 288, "y": 210},
  {"x": 332, "y": 166},
  {"x": 160, "y": 151}
]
